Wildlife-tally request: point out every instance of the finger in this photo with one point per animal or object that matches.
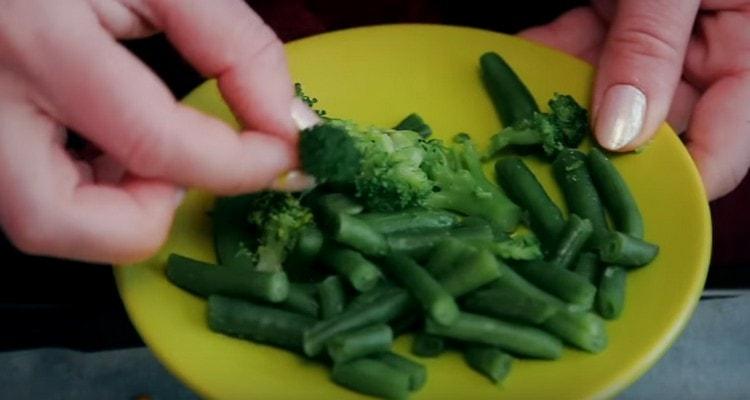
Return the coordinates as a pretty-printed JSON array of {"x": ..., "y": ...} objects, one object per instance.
[
  {"x": 50, "y": 209},
  {"x": 683, "y": 102},
  {"x": 120, "y": 17},
  {"x": 640, "y": 67},
  {"x": 577, "y": 32},
  {"x": 227, "y": 40},
  {"x": 96, "y": 87},
  {"x": 719, "y": 135}
]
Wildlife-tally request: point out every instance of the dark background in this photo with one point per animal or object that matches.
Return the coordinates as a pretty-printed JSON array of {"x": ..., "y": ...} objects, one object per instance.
[{"x": 48, "y": 302}]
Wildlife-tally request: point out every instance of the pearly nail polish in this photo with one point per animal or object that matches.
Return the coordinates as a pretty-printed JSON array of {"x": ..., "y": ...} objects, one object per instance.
[
  {"x": 303, "y": 116},
  {"x": 620, "y": 117}
]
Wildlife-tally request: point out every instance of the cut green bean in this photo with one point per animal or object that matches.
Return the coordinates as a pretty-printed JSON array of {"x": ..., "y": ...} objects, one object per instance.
[
  {"x": 300, "y": 259},
  {"x": 587, "y": 265},
  {"x": 572, "y": 239},
  {"x": 582, "y": 329},
  {"x": 410, "y": 220},
  {"x": 332, "y": 297},
  {"x": 362, "y": 274},
  {"x": 580, "y": 194},
  {"x": 347, "y": 346},
  {"x": 478, "y": 270},
  {"x": 413, "y": 122},
  {"x": 545, "y": 218},
  {"x": 610, "y": 298},
  {"x": 419, "y": 244},
  {"x": 433, "y": 298},
  {"x": 512, "y": 100},
  {"x": 489, "y": 361},
  {"x": 447, "y": 253},
  {"x": 301, "y": 301},
  {"x": 614, "y": 192},
  {"x": 509, "y": 304},
  {"x": 374, "y": 294},
  {"x": 372, "y": 377},
  {"x": 232, "y": 236},
  {"x": 515, "y": 338},
  {"x": 627, "y": 251},
  {"x": 338, "y": 203},
  {"x": 566, "y": 285},
  {"x": 257, "y": 323},
  {"x": 205, "y": 279},
  {"x": 417, "y": 372},
  {"x": 354, "y": 232},
  {"x": 426, "y": 345},
  {"x": 380, "y": 310}
]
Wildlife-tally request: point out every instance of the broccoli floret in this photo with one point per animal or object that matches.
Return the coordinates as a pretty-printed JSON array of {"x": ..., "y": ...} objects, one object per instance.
[
  {"x": 310, "y": 101},
  {"x": 381, "y": 166},
  {"x": 564, "y": 126},
  {"x": 278, "y": 218},
  {"x": 461, "y": 185}
]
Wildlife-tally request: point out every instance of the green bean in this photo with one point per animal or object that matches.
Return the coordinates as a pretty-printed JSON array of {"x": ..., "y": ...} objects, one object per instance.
[
  {"x": 572, "y": 239},
  {"x": 447, "y": 253},
  {"x": 337, "y": 203},
  {"x": 301, "y": 301},
  {"x": 419, "y": 244},
  {"x": 417, "y": 372},
  {"x": 515, "y": 338},
  {"x": 347, "y": 346},
  {"x": 587, "y": 265},
  {"x": 413, "y": 122},
  {"x": 301, "y": 257},
  {"x": 374, "y": 294},
  {"x": 372, "y": 377},
  {"x": 565, "y": 284},
  {"x": 580, "y": 194},
  {"x": 354, "y": 232},
  {"x": 582, "y": 329},
  {"x": 260, "y": 324},
  {"x": 426, "y": 345},
  {"x": 362, "y": 274},
  {"x": 512, "y": 100},
  {"x": 615, "y": 194},
  {"x": 489, "y": 361},
  {"x": 479, "y": 269},
  {"x": 508, "y": 303},
  {"x": 205, "y": 279},
  {"x": 524, "y": 189},
  {"x": 410, "y": 220},
  {"x": 433, "y": 298},
  {"x": 610, "y": 298},
  {"x": 381, "y": 310},
  {"x": 627, "y": 251},
  {"x": 232, "y": 237},
  {"x": 332, "y": 297}
]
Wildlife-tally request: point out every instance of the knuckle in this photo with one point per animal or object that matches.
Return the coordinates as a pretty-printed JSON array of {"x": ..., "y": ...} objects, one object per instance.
[
  {"x": 146, "y": 155},
  {"x": 646, "y": 42}
]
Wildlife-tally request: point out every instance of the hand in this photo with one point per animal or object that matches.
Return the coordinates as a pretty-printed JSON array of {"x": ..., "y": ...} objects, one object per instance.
[
  {"x": 684, "y": 60},
  {"x": 60, "y": 66}
]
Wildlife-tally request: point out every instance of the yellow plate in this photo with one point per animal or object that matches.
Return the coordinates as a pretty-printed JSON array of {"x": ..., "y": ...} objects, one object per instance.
[{"x": 377, "y": 75}]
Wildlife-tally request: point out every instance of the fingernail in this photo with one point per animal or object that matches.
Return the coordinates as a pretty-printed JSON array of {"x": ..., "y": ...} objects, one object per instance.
[
  {"x": 620, "y": 116},
  {"x": 293, "y": 181},
  {"x": 179, "y": 195},
  {"x": 303, "y": 116}
]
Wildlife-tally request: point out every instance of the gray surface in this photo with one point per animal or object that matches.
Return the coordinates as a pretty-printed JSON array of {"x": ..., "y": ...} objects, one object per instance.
[{"x": 711, "y": 360}]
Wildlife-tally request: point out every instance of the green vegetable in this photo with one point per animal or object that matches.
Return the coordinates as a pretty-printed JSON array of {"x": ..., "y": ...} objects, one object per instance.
[
  {"x": 515, "y": 338},
  {"x": 426, "y": 345},
  {"x": 627, "y": 251},
  {"x": 478, "y": 270},
  {"x": 372, "y": 377},
  {"x": 523, "y": 246},
  {"x": 572, "y": 240},
  {"x": 615, "y": 194},
  {"x": 512, "y": 100},
  {"x": 433, "y": 298},
  {"x": 508, "y": 303},
  {"x": 410, "y": 220},
  {"x": 205, "y": 279},
  {"x": 582, "y": 329},
  {"x": 610, "y": 298},
  {"x": 524, "y": 189},
  {"x": 413, "y": 122},
  {"x": 301, "y": 301},
  {"x": 420, "y": 243},
  {"x": 417, "y": 372},
  {"x": 233, "y": 239},
  {"x": 358, "y": 343},
  {"x": 337, "y": 203},
  {"x": 362, "y": 274},
  {"x": 587, "y": 265},
  {"x": 354, "y": 232},
  {"x": 566, "y": 285},
  {"x": 447, "y": 253},
  {"x": 489, "y": 361},
  {"x": 332, "y": 297},
  {"x": 379, "y": 310},
  {"x": 580, "y": 194},
  {"x": 300, "y": 259},
  {"x": 260, "y": 324}
]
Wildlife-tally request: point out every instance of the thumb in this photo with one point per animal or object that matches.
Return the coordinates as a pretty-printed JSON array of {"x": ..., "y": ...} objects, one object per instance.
[{"x": 639, "y": 69}]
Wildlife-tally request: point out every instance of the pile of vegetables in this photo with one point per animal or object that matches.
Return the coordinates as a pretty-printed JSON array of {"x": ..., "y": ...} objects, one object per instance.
[{"x": 405, "y": 233}]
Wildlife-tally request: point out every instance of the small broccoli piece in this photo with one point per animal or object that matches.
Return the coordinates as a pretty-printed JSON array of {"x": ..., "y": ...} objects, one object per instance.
[
  {"x": 461, "y": 185},
  {"x": 310, "y": 101},
  {"x": 565, "y": 125},
  {"x": 278, "y": 218},
  {"x": 381, "y": 166}
]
